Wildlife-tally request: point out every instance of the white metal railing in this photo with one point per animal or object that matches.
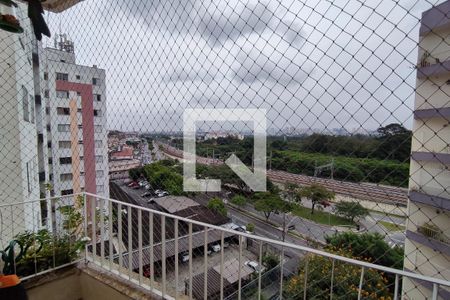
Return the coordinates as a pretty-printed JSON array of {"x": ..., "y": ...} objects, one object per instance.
[{"x": 167, "y": 254}]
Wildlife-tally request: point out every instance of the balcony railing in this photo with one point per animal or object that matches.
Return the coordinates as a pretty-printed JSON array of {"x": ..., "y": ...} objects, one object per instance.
[{"x": 169, "y": 255}]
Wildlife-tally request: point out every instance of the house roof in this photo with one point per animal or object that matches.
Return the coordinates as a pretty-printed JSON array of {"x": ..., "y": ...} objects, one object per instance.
[
  {"x": 231, "y": 270},
  {"x": 173, "y": 204}
]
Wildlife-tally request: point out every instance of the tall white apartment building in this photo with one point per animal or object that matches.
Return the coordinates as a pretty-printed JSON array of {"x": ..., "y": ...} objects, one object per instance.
[
  {"x": 75, "y": 98},
  {"x": 19, "y": 181},
  {"x": 427, "y": 247}
]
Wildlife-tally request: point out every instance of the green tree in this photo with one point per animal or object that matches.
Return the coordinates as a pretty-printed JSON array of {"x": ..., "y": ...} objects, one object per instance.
[
  {"x": 269, "y": 203},
  {"x": 136, "y": 173},
  {"x": 291, "y": 193},
  {"x": 351, "y": 210},
  {"x": 270, "y": 260},
  {"x": 216, "y": 204},
  {"x": 371, "y": 246},
  {"x": 250, "y": 227},
  {"x": 239, "y": 200},
  {"x": 319, "y": 270},
  {"x": 316, "y": 193}
]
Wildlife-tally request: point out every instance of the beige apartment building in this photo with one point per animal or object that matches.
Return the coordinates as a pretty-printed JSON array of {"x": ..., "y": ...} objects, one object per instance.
[{"x": 427, "y": 247}]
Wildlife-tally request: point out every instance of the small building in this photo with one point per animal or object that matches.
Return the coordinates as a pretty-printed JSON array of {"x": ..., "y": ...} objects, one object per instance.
[{"x": 230, "y": 278}]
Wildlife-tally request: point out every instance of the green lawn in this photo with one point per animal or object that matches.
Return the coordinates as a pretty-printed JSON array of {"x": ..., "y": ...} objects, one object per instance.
[
  {"x": 391, "y": 226},
  {"x": 320, "y": 217}
]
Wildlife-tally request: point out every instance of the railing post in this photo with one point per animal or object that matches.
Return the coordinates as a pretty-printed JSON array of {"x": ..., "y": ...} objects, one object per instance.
[
  {"x": 110, "y": 233},
  {"x": 190, "y": 260},
  {"x": 119, "y": 229},
  {"x": 140, "y": 245},
  {"x": 221, "y": 264},
  {"x": 152, "y": 261},
  {"x": 205, "y": 264},
  {"x": 176, "y": 256},
  {"x": 332, "y": 279},
  {"x": 361, "y": 280},
  {"x": 240, "y": 267},
  {"x": 260, "y": 273},
  {"x": 102, "y": 231},
  {"x": 435, "y": 291},
  {"x": 281, "y": 272},
  {"x": 85, "y": 222},
  {"x": 94, "y": 229},
  {"x": 163, "y": 254},
  {"x": 396, "y": 287},
  {"x": 130, "y": 243},
  {"x": 305, "y": 287}
]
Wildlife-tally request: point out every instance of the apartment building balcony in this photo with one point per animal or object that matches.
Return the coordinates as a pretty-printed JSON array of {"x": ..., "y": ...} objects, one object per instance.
[
  {"x": 117, "y": 250},
  {"x": 433, "y": 200},
  {"x": 439, "y": 112},
  {"x": 431, "y": 237},
  {"x": 433, "y": 69},
  {"x": 443, "y": 158}
]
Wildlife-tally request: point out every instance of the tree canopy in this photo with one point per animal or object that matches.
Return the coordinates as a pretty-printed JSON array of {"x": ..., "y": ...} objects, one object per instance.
[
  {"x": 316, "y": 193},
  {"x": 216, "y": 204},
  {"x": 351, "y": 210}
]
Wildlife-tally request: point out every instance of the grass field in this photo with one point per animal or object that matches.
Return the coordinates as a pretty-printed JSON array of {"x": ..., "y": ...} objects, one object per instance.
[
  {"x": 320, "y": 216},
  {"x": 391, "y": 226}
]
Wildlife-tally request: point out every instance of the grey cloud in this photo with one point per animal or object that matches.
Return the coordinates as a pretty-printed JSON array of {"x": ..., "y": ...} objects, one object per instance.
[{"x": 219, "y": 25}]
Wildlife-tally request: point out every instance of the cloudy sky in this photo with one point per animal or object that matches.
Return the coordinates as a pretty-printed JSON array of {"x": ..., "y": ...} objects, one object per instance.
[{"x": 311, "y": 63}]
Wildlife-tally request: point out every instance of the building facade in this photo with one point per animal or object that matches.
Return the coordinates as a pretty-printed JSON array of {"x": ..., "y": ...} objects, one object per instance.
[
  {"x": 19, "y": 181},
  {"x": 76, "y": 122},
  {"x": 427, "y": 247}
]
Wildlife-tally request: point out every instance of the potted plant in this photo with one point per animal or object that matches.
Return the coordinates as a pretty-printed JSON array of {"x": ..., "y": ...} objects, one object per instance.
[{"x": 8, "y": 21}]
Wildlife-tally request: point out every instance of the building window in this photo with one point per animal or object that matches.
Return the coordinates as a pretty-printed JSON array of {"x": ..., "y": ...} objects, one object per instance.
[
  {"x": 99, "y": 173},
  {"x": 80, "y": 142},
  {"x": 29, "y": 176},
  {"x": 45, "y": 76},
  {"x": 62, "y": 76},
  {"x": 97, "y": 128},
  {"x": 65, "y": 160},
  {"x": 80, "y": 126},
  {"x": 47, "y": 110},
  {"x": 98, "y": 159},
  {"x": 66, "y": 192},
  {"x": 50, "y": 161},
  {"x": 98, "y": 97},
  {"x": 63, "y": 111},
  {"x": 95, "y": 81},
  {"x": 98, "y": 143},
  {"x": 64, "y": 144},
  {"x": 97, "y": 113},
  {"x": 99, "y": 188},
  {"x": 63, "y": 127},
  {"x": 32, "y": 116},
  {"x": 77, "y": 77},
  {"x": 49, "y": 144},
  {"x": 62, "y": 94},
  {"x": 66, "y": 177},
  {"x": 49, "y": 127},
  {"x": 46, "y": 94},
  {"x": 26, "y": 112}
]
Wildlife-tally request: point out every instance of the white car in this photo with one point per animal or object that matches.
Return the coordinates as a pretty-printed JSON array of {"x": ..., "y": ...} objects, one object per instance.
[
  {"x": 255, "y": 266},
  {"x": 215, "y": 247}
]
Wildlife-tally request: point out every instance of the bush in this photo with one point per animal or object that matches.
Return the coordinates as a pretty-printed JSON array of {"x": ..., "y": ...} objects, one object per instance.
[
  {"x": 250, "y": 227},
  {"x": 217, "y": 205}
]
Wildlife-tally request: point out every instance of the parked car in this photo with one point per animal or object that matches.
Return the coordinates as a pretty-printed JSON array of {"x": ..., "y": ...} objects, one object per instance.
[
  {"x": 254, "y": 266},
  {"x": 133, "y": 184},
  {"x": 215, "y": 247},
  {"x": 184, "y": 257},
  {"x": 162, "y": 194}
]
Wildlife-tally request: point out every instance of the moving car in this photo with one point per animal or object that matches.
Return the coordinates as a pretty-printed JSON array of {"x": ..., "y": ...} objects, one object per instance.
[{"x": 215, "y": 247}]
